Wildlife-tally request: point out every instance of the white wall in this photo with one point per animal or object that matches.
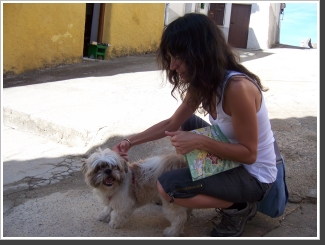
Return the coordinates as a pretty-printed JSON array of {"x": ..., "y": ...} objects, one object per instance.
[
  {"x": 259, "y": 26},
  {"x": 264, "y": 23},
  {"x": 176, "y": 10},
  {"x": 274, "y": 31}
]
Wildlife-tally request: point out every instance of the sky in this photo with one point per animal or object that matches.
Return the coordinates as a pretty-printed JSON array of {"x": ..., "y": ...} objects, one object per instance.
[{"x": 299, "y": 22}]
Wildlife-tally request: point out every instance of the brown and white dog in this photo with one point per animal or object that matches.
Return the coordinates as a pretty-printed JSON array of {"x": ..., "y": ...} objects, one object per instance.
[{"x": 122, "y": 187}]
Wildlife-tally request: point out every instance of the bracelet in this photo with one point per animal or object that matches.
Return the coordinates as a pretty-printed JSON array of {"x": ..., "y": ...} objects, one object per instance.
[{"x": 128, "y": 141}]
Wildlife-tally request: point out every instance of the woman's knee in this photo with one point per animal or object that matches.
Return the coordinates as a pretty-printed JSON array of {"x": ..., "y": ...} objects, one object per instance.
[{"x": 161, "y": 191}]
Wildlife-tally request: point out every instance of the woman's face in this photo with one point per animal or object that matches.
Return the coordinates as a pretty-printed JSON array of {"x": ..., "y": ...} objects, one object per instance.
[{"x": 178, "y": 65}]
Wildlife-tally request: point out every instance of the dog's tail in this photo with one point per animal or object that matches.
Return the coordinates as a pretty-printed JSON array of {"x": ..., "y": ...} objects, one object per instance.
[{"x": 151, "y": 168}]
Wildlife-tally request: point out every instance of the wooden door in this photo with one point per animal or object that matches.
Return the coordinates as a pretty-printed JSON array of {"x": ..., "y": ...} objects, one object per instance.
[
  {"x": 88, "y": 22},
  {"x": 239, "y": 25}
]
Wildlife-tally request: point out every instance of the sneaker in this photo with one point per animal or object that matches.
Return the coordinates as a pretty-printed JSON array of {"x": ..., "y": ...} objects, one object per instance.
[{"x": 233, "y": 222}]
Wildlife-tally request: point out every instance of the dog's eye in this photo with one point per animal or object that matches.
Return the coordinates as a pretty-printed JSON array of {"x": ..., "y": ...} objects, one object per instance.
[
  {"x": 102, "y": 165},
  {"x": 116, "y": 168}
]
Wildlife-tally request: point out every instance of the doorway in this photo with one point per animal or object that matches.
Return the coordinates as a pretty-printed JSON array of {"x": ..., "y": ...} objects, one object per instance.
[{"x": 93, "y": 13}]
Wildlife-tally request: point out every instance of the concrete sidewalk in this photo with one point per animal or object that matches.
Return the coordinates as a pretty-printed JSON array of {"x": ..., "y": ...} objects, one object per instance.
[{"x": 54, "y": 118}]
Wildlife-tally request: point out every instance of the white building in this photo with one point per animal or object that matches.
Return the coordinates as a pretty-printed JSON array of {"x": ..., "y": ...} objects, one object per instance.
[{"x": 245, "y": 25}]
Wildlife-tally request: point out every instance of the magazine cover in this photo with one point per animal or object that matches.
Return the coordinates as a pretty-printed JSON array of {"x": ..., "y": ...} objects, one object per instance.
[{"x": 203, "y": 164}]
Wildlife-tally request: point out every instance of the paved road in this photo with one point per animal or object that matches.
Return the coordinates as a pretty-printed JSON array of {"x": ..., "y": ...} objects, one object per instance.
[{"x": 53, "y": 119}]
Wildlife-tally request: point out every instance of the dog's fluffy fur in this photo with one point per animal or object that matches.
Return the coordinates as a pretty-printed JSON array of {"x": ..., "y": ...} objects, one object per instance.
[{"x": 122, "y": 187}]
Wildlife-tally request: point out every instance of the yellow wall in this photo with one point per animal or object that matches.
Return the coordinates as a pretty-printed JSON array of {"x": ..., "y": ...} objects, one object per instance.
[
  {"x": 133, "y": 28},
  {"x": 45, "y": 35},
  {"x": 42, "y": 35}
]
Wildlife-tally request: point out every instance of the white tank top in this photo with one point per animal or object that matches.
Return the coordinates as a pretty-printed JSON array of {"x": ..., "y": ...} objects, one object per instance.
[{"x": 264, "y": 169}]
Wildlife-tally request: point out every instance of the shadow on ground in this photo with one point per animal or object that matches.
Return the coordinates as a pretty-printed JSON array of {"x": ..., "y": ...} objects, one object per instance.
[{"x": 99, "y": 68}]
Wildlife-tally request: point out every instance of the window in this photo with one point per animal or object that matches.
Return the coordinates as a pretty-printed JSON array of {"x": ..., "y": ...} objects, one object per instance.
[{"x": 216, "y": 12}]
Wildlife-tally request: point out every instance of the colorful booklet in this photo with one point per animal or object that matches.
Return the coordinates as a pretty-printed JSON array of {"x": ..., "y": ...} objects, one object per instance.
[{"x": 203, "y": 164}]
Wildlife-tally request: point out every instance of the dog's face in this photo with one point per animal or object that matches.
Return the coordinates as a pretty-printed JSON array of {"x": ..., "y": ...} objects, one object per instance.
[{"x": 105, "y": 169}]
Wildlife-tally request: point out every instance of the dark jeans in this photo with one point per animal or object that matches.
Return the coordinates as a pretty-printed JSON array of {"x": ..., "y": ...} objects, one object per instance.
[{"x": 234, "y": 185}]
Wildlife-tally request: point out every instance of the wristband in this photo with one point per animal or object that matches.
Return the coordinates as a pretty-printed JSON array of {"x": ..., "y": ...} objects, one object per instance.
[{"x": 128, "y": 141}]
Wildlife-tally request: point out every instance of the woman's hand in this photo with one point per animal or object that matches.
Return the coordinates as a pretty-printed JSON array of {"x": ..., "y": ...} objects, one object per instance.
[
  {"x": 122, "y": 149},
  {"x": 184, "y": 142}
]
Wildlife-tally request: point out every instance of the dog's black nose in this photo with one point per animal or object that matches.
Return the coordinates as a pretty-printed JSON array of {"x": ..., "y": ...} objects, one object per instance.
[{"x": 108, "y": 171}]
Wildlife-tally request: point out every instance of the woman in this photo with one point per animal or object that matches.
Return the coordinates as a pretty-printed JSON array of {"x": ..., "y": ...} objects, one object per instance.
[{"x": 204, "y": 71}]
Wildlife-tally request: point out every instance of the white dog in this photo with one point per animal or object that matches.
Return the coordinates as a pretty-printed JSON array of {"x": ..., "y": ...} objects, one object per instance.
[{"x": 123, "y": 187}]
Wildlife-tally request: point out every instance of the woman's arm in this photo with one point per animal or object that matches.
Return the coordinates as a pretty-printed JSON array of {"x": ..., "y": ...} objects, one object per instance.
[
  {"x": 157, "y": 131},
  {"x": 241, "y": 101}
]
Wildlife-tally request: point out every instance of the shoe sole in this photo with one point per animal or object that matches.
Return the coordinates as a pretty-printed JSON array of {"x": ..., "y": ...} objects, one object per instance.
[{"x": 248, "y": 218}]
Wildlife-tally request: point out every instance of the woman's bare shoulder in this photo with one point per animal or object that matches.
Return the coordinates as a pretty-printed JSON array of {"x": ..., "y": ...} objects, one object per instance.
[{"x": 239, "y": 82}]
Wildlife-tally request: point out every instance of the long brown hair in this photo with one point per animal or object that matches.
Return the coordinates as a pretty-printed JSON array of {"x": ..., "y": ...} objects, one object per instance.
[{"x": 200, "y": 43}]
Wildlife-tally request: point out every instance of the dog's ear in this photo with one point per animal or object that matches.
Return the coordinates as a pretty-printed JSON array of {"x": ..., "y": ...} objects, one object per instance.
[
  {"x": 125, "y": 165},
  {"x": 84, "y": 166}
]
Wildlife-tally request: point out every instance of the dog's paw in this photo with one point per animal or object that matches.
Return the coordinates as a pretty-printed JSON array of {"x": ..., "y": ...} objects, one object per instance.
[
  {"x": 114, "y": 225},
  {"x": 158, "y": 202},
  {"x": 189, "y": 213},
  {"x": 104, "y": 217},
  {"x": 171, "y": 232}
]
